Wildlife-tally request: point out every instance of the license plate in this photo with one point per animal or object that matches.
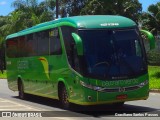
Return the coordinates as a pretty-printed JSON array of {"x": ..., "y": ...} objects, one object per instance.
[{"x": 120, "y": 97}]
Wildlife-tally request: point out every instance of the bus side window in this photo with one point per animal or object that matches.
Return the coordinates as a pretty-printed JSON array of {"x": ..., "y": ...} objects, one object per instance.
[
  {"x": 31, "y": 44},
  {"x": 12, "y": 48},
  {"x": 22, "y": 48},
  {"x": 55, "y": 44},
  {"x": 43, "y": 42}
]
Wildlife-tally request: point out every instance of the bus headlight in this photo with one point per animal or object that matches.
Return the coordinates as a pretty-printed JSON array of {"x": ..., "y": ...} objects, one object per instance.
[
  {"x": 143, "y": 83},
  {"x": 97, "y": 88}
]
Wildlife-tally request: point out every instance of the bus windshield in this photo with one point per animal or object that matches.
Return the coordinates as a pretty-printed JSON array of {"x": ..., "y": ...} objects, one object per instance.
[{"x": 113, "y": 54}]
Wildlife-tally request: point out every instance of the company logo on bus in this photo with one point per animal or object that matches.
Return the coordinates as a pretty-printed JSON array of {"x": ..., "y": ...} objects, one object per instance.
[
  {"x": 109, "y": 24},
  {"x": 45, "y": 64},
  {"x": 121, "y": 89},
  {"x": 120, "y": 82}
]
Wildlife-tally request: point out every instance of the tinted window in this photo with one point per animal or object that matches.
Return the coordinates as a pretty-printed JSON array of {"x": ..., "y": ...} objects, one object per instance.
[
  {"x": 31, "y": 44},
  {"x": 70, "y": 47},
  {"x": 22, "y": 47},
  {"x": 67, "y": 37},
  {"x": 113, "y": 54},
  {"x": 55, "y": 44},
  {"x": 12, "y": 48},
  {"x": 40, "y": 43},
  {"x": 43, "y": 42}
]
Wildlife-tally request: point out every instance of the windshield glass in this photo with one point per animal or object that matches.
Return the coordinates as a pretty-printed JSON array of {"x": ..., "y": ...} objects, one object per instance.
[{"x": 113, "y": 54}]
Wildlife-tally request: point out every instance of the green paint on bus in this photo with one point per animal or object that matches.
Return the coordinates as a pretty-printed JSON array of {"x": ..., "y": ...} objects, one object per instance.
[{"x": 150, "y": 38}]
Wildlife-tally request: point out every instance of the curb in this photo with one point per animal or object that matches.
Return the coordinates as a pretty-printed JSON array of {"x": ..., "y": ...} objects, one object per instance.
[{"x": 155, "y": 90}]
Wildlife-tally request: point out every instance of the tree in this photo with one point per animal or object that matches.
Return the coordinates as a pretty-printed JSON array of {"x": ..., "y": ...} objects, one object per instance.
[
  {"x": 15, "y": 22},
  {"x": 151, "y": 20},
  {"x": 3, "y": 33},
  {"x": 35, "y": 12},
  {"x": 129, "y": 8},
  {"x": 3, "y": 22},
  {"x": 71, "y": 7},
  {"x": 26, "y": 14}
]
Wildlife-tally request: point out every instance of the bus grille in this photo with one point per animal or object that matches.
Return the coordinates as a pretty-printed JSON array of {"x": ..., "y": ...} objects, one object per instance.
[{"x": 120, "y": 89}]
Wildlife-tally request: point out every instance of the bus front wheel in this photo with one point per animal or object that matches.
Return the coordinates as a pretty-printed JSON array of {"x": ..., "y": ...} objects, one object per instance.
[
  {"x": 63, "y": 97},
  {"x": 21, "y": 90}
]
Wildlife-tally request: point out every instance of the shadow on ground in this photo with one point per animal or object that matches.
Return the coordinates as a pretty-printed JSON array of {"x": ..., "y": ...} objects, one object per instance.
[{"x": 86, "y": 111}]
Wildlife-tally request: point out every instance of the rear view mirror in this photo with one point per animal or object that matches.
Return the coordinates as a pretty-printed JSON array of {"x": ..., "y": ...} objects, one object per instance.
[
  {"x": 78, "y": 42},
  {"x": 150, "y": 38}
]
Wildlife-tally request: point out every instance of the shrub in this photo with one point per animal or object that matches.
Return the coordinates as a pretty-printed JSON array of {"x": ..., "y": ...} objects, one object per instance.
[{"x": 153, "y": 57}]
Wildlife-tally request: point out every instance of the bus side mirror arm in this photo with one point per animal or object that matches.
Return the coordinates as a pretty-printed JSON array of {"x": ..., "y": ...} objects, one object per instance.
[
  {"x": 78, "y": 42},
  {"x": 150, "y": 37}
]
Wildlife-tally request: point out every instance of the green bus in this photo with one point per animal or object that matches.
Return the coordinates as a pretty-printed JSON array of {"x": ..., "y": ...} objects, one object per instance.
[{"x": 85, "y": 60}]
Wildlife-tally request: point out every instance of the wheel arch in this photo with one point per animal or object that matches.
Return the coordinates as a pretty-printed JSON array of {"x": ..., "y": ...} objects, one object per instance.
[{"x": 62, "y": 82}]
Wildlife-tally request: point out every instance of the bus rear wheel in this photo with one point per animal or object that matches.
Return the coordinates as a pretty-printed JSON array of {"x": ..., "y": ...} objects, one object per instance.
[
  {"x": 21, "y": 90},
  {"x": 63, "y": 97}
]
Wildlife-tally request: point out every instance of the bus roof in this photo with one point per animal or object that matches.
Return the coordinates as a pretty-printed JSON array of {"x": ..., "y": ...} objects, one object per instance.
[{"x": 88, "y": 22}]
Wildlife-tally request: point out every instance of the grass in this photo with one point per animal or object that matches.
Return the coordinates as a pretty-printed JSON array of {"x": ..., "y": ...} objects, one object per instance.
[
  {"x": 154, "y": 77},
  {"x": 3, "y": 76}
]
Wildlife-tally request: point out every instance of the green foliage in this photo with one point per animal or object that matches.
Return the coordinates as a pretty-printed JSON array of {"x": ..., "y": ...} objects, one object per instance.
[
  {"x": 3, "y": 32},
  {"x": 153, "y": 57},
  {"x": 154, "y": 77},
  {"x": 35, "y": 13},
  {"x": 151, "y": 19},
  {"x": 128, "y": 8},
  {"x": 71, "y": 7},
  {"x": 3, "y": 76},
  {"x": 27, "y": 13}
]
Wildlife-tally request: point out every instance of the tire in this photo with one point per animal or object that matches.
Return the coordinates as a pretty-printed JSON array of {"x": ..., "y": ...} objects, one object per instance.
[
  {"x": 21, "y": 91},
  {"x": 63, "y": 97}
]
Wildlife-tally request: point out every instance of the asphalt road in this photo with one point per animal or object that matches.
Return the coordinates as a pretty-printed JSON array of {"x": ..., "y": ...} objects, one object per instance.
[{"x": 9, "y": 101}]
